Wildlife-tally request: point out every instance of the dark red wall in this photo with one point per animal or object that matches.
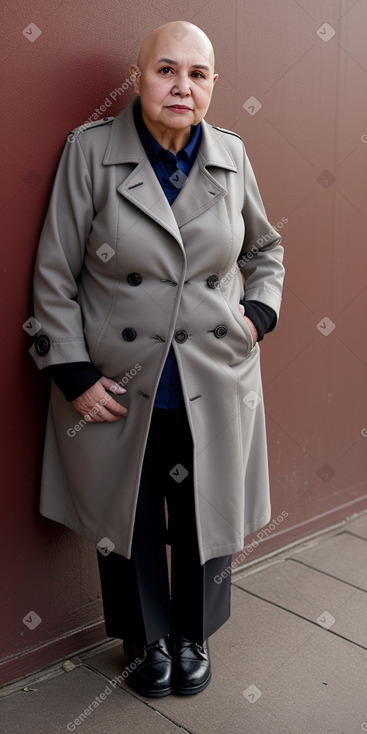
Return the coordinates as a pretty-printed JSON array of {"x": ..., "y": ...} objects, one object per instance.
[{"x": 308, "y": 145}]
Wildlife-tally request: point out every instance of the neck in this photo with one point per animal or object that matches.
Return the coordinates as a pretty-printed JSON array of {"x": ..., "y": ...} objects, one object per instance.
[{"x": 173, "y": 140}]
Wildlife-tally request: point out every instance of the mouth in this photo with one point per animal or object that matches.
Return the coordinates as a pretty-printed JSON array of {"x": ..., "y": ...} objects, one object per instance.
[{"x": 179, "y": 108}]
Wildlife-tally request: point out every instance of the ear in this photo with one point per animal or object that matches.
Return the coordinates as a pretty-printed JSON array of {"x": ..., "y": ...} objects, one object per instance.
[
  {"x": 215, "y": 77},
  {"x": 135, "y": 77}
]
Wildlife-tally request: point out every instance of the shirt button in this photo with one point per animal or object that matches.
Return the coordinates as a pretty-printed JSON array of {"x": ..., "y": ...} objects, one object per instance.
[
  {"x": 129, "y": 334},
  {"x": 134, "y": 278},
  {"x": 220, "y": 331},
  {"x": 181, "y": 336},
  {"x": 42, "y": 345},
  {"x": 213, "y": 281}
]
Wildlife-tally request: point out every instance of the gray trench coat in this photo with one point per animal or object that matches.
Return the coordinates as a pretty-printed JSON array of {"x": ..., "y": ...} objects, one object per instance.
[{"x": 108, "y": 223}]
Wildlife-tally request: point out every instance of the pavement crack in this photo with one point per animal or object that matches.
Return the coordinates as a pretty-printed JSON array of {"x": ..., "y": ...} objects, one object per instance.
[
  {"x": 301, "y": 616},
  {"x": 149, "y": 703},
  {"x": 355, "y": 535},
  {"x": 327, "y": 573}
]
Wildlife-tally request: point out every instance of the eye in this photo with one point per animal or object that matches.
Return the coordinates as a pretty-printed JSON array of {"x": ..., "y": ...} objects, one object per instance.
[
  {"x": 198, "y": 75},
  {"x": 165, "y": 70}
]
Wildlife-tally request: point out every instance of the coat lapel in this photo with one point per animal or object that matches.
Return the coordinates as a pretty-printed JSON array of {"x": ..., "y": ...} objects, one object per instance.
[
  {"x": 141, "y": 187},
  {"x": 202, "y": 190}
]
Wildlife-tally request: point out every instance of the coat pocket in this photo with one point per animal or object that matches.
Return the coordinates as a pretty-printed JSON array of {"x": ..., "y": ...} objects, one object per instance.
[{"x": 242, "y": 336}]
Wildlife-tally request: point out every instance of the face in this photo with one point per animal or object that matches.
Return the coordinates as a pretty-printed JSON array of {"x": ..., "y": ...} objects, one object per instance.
[{"x": 176, "y": 81}]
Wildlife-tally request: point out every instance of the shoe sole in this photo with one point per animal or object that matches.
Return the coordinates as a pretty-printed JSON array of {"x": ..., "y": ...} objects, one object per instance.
[
  {"x": 152, "y": 694},
  {"x": 194, "y": 689}
]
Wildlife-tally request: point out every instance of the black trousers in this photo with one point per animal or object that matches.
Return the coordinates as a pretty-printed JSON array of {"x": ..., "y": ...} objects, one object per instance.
[{"x": 138, "y": 605}]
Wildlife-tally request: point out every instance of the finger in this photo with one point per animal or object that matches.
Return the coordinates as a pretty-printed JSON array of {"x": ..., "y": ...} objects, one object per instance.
[
  {"x": 103, "y": 405},
  {"x": 108, "y": 409},
  {"x": 111, "y": 405},
  {"x": 112, "y": 385},
  {"x": 99, "y": 413},
  {"x": 116, "y": 409},
  {"x": 103, "y": 416}
]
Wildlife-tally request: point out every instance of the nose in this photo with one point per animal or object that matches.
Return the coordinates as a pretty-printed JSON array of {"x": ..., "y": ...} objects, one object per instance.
[{"x": 182, "y": 85}]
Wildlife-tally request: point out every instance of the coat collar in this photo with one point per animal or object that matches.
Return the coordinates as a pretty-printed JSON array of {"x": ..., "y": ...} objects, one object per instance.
[
  {"x": 124, "y": 144},
  {"x": 142, "y": 187}
]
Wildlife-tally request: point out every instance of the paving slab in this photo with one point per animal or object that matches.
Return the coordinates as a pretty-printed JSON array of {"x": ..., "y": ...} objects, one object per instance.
[
  {"x": 60, "y": 704},
  {"x": 358, "y": 526},
  {"x": 276, "y": 669},
  {"x": 313, "y": 595},
  {"x": 297, "y": 677},
  {"x": 342, "y": 556},
  {"x": 320, "y": 690}
]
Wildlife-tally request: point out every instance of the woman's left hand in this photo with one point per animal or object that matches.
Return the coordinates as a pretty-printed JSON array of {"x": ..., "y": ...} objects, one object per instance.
[{"x": 250, "y": 324}]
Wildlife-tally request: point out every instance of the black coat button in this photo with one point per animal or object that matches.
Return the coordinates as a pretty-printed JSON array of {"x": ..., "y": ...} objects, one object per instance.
[
  {"x": 129, "y": 334},
  {"x": 42, "y": 345},
  {"x": 134, "y": 278},
  {"x": 213, "y": 281},
  {"x": 181, "y": 336},
  {"x": 220, "y": 331}
]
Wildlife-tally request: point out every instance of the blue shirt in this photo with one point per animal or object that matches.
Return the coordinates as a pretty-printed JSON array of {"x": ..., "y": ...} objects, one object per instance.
[{"x": 171, "y": 171}]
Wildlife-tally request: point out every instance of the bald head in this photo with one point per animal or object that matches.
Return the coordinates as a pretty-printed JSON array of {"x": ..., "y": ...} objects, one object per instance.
[
  {"x": 174, "y": 78},
  {"x": 183, "y": 35}
]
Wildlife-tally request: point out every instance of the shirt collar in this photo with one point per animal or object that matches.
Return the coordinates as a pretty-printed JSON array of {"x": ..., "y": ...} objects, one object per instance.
[{"x": 153, "y": 148}]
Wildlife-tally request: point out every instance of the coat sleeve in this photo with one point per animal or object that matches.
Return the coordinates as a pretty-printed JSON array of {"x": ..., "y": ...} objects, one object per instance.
[
  {"x": 261, "y": 259},
  {"x": 59, "y": 259}
]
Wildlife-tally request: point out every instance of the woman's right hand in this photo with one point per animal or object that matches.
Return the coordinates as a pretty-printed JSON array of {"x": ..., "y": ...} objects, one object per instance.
[{"x": 96, "y": 405}]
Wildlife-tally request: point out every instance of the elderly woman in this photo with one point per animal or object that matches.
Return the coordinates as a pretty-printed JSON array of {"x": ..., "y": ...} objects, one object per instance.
[{"x": 154, "y": 226}]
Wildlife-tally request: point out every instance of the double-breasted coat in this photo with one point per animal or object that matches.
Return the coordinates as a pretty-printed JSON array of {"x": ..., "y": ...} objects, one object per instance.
[{"x": 119, "y": 276}]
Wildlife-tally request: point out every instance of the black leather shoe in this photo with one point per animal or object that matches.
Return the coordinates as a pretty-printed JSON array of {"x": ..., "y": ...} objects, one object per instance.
[
  {"x": 152, "y": 676},
  {"x": 191, "y": 667}
]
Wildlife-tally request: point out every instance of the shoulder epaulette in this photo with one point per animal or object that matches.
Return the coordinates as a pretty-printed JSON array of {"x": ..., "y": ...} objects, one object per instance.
[
  {"x": 223, "y": 130},
  {"x": 90, "y": 125}
]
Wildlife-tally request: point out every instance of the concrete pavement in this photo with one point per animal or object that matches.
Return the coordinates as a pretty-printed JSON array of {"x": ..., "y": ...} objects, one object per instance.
[{"x": 292, "y": 659}]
